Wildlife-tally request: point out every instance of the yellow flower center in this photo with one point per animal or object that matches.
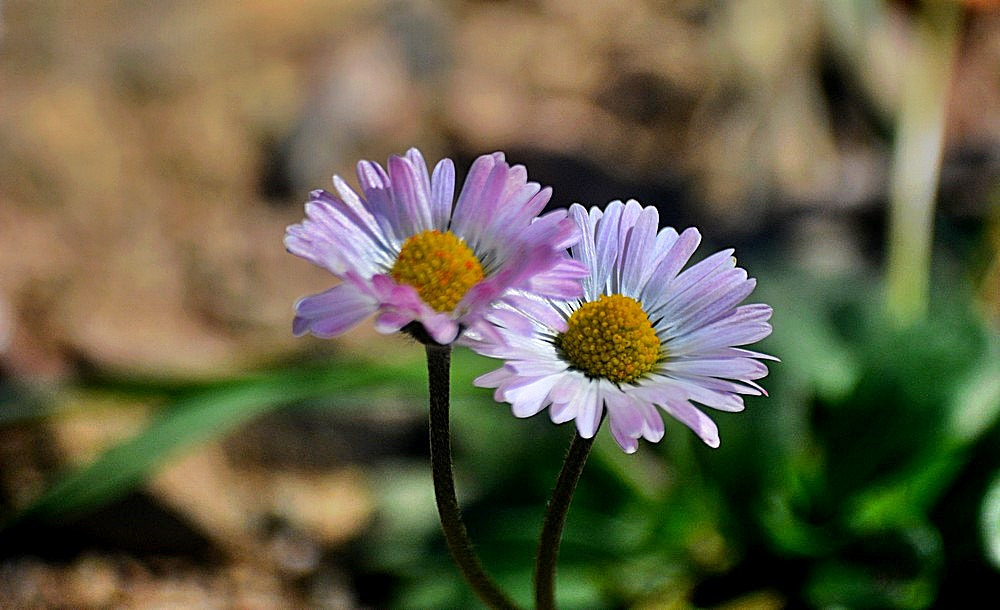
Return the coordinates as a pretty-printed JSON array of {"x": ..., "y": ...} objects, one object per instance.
[
  {"x": 612, "y": 338},
  {"x": 440, "y": 266}
]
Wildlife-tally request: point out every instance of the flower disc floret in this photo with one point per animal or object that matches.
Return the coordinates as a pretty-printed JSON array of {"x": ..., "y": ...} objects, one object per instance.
[
  {"x": 612, "y": 338},
  {"x": 440, "y": 266}
]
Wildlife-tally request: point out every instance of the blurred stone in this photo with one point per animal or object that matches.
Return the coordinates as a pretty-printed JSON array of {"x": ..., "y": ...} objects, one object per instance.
[
  {"x": 231, "y": 503},
  {"x": 153, "y": 153},
  {"x": 975, "y": 104},
  {"x": 203, "y": 486},
  {"x": 85, "y": 426},
  {"x": 93, "y": 582},
  {"x": 268, "y": 526},
  {"x": 27, "y": 461},
  {"x": 330, "y": 507},
  {"x": 6, "y": 324},
  {"x": 365, "y": 96}
]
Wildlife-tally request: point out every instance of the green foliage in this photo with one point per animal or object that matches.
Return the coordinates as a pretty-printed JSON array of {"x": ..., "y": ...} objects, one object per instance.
[
  {"x": 194, "y": 413},
  {"x": 869, "y": 473},
  {"x": 833, "y": 491}
]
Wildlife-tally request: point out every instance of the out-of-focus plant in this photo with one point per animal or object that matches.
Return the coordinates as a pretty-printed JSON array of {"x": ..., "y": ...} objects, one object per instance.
[
  {"x": 920, "y": 127},
  {"x": 864, "y": 481},
  {"x": 192, "y": 413},
  {"x": 650, "y": 336}
]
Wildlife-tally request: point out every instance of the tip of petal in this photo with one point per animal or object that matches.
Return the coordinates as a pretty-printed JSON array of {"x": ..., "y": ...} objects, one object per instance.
[
  {"x": 630, "y": 448},
  {"x": 414, "y": 155}
]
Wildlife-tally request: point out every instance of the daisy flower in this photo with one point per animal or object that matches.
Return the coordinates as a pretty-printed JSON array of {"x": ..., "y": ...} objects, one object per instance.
[
  {"x": 646, "y": 337},
  {"x": 405, "y": 251}
]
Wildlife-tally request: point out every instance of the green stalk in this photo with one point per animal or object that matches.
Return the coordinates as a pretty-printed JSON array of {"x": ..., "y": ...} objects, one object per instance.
[{"x": 917, "y": 159}]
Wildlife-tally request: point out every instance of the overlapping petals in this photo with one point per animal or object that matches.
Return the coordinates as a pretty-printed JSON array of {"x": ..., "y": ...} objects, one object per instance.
[
  {"x": 695, "y": 313},
  {"x": 358, "y": 236}
]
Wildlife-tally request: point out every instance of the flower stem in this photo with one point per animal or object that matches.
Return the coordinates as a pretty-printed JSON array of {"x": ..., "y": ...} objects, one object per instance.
[
  {"x": 455, "y": 534},
  {"x": 555, "y": 518},
  {"x": 917, "y": 157}
]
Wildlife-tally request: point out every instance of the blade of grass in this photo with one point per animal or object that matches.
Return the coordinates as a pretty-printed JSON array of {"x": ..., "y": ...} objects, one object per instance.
[{"x": 197, "y": 417}]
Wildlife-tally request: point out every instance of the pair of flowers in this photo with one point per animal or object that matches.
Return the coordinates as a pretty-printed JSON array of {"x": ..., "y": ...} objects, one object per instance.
[{"x": 617, "y": 325}]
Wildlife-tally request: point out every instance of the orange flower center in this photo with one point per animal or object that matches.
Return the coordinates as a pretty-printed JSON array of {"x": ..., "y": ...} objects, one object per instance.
[
  {"x": 440, "y": 266},
  {"x": 612, "y": 338}
]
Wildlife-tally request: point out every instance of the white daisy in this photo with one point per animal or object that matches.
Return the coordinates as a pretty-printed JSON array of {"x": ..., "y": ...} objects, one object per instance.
[{"x": 645, "y": 337}]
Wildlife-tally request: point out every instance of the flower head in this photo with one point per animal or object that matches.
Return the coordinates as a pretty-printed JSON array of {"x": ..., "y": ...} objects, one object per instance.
[
  {"x": 645, "y": 337},
  {"x": 404, "y": 250}
]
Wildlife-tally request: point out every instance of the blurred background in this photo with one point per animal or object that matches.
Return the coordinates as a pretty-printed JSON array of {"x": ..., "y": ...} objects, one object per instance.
[{"x": 165, "y": 442}]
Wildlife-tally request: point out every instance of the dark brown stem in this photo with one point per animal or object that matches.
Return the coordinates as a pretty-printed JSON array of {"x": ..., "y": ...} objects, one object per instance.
[
  {"x": 555, "y": 518},
  {"x": 455, "y": 534}
]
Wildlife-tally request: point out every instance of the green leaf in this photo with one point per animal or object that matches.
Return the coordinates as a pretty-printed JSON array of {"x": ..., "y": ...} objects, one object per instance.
[
  {"x": 804, "y": 337},
  {"x": 976, "y": 405},
  {"x": 905, "y": 499},
  {"x": 199, "y": 416},
  {"x": 991, "y": 522}
]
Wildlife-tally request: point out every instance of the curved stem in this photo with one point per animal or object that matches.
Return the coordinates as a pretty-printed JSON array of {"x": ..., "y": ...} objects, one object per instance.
[
  {"x": 455, "y": 534},
  {"x": 555, "y": 518}
]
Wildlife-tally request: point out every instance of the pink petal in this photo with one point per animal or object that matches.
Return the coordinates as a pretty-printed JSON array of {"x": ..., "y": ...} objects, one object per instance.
[
  {"x": 410, "y": 195},
  {"x": 442, "y": 193},
  {"x": 332, "y": 312}
]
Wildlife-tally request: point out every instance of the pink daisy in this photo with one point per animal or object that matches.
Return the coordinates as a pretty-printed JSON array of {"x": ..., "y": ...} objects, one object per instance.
[{"x": 405, "y": 251}]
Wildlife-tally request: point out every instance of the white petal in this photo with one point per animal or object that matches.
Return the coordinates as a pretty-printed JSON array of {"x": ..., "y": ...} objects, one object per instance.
[
  {"x": 534, "y": 368},
  {"x": 590, "y": 410},
  {"x": 562, "y": 412},
  {"x": 731, "y": 368},
  {"x": 625, "y": 419},
  {"x": 442, "y": 193},
  {"x": 693, "y": 418},
  {"x": 585, "y": 251},
  {"x": 493, "y": 379},
  {"x": 636, "y": 252},
  {"x": 652, "y": 429},
  {"x": 528, "y": 400},
  {"x": 660, "y": 283},
  {"x": 607, "y": 249}
]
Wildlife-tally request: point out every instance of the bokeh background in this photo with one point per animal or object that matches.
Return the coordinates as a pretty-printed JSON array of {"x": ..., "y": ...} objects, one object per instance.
[{"x": 165, "y": 442}]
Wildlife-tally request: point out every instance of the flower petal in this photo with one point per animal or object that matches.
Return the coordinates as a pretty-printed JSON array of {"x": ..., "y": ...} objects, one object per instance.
[
  {"x": 638, "y": 243},
  {"x": 411, "y": 195},
  {"x": 527, "y": 400},
  {"x": 332, "y": 312},
  {"x": 442, "y": 193},
  {"x": 693, "y": 418}
]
